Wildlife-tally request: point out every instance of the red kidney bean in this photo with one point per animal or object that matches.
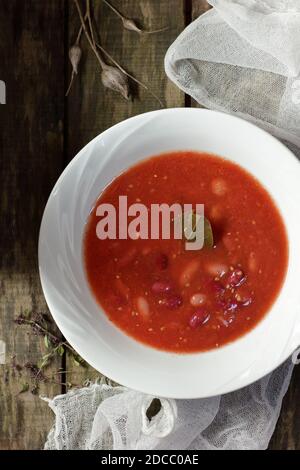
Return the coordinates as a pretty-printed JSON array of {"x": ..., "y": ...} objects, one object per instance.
[
  {"x": 231, "y": 306},
  {"x": 162, "y": 261},
  {"x": 217, "y": 288},
  {"x": 246, "y": 302},
  {"x": 230, "y": 318},
  {"x": 217, "y": 269},
  {"x": 161, "y": 287},
  {"x": 223, "y": 321},
  {"x": 228, "y": 305},
  {"x": 227, "y": 320},
  {"x": 244, "y": 297},
  {"x": 173, "y": 301},
  {"x": 198, "y": 318},
  {"x": 236, "y": 278}
]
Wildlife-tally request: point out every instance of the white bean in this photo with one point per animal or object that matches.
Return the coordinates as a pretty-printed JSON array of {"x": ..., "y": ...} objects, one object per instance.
[
  {"x": 143, "y": 307},
  {"x": 197, "y": 299},
  {"x": 216, "y": 213},
  {"x": 217, "y": 269},
  {"x": 219, "y": 186}
]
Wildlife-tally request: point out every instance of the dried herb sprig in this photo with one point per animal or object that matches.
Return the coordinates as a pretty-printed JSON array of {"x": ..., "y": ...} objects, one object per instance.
[
  {"x": 111, "y": 77},
  {"x": 52, "y": 339},
  {"x": 55, "y": 346},
  {"x": 74, "y": 56},
  {"x": 75, "y": 53},
  {"x": 143, "y": 85},
  {"x": 129, "y": 23}
]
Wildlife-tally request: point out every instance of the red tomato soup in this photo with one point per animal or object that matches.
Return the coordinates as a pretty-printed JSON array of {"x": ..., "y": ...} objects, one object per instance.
[{"x": 186, "y": 301}]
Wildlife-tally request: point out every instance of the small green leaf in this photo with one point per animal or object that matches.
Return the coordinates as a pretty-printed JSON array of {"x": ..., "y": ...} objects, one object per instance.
[
  {"x": 27, "y": 314},
  {"x": 190, "y": 222},
  {"x": 60, "y": 350},
  {"x": 45, "y": 360},
  {"x": 24, "y": 388},
  {"x": 43, "y": 363},
  {"x": 208, "y": 234},
  {"x": 46, "y": 341},
  {"x": 76, "y": 362}
]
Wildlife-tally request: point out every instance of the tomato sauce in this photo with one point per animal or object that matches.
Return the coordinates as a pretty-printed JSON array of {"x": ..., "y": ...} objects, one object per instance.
[{"x": 186, "y": 301}]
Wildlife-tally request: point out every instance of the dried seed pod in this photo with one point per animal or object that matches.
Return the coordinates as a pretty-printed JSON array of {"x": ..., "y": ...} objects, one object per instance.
[
  {"x": 75, "y": 53},
  {"x": 129, "y": 75},
  {"x": 130, "y": 25},
  {"x": 74, "y": 56},
  {"x": 116, "y": 80}
]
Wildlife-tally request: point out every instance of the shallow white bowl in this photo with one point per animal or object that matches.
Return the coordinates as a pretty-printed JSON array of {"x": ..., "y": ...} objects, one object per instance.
[{"x": 67, "y": 293}]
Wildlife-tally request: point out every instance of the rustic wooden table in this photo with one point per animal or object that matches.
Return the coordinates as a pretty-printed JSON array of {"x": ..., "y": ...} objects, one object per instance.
[{"x": 40, "y": 132}]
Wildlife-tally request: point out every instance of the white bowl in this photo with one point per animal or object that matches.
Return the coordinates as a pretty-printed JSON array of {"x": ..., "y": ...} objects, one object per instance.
[{"x": 68, "y": 295}]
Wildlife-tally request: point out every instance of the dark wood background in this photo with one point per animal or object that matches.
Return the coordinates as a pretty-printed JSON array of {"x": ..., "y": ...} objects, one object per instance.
[{"x": 40, "y": 132}]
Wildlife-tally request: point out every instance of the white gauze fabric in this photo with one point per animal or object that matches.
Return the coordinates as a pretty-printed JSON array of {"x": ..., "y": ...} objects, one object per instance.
[
  {"x": 242, "y": 57},
  {"x": 102, "y": 417}
]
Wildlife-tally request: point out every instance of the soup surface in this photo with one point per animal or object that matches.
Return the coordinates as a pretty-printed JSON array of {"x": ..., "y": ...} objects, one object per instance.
[{"x": 186, "y": 301}]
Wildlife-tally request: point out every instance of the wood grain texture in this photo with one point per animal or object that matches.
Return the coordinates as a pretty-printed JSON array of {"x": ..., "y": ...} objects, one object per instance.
[
  {"x": 31, "y": 149},
  {"x": 199, "y": 7},
  {"x": 91, "y": 108},
  {"x": 287, "y": 432}
]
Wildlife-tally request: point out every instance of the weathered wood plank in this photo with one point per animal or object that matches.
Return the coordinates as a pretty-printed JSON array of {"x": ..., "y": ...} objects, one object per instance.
[
  {"x": 91, "y": 109},
  {"x": 199, "y": 7},
  {"x": 287, "y": 432},
  {"x": 31, "y": 148}
]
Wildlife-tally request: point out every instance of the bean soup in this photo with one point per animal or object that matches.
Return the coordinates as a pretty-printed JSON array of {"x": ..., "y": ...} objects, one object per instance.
[{"x": 188, "y": 301}]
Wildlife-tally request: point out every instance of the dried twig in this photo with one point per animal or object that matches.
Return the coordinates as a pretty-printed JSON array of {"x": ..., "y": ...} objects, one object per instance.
[
  {"x": 75, "y": 54},
  {"x": 111, "y": 77},
  {"x": 87, "y": 34},
  {"x": 129, "y": 23},
  {"x": 129, "y": 75},
  {"x": 114, "y": 77},
  {"x": 88, "y": 8},
  {"x": 55, "y": 345}
]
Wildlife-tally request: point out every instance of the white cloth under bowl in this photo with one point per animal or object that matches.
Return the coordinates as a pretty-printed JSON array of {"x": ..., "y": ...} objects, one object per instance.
[{"x": 103, "y": 417}]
